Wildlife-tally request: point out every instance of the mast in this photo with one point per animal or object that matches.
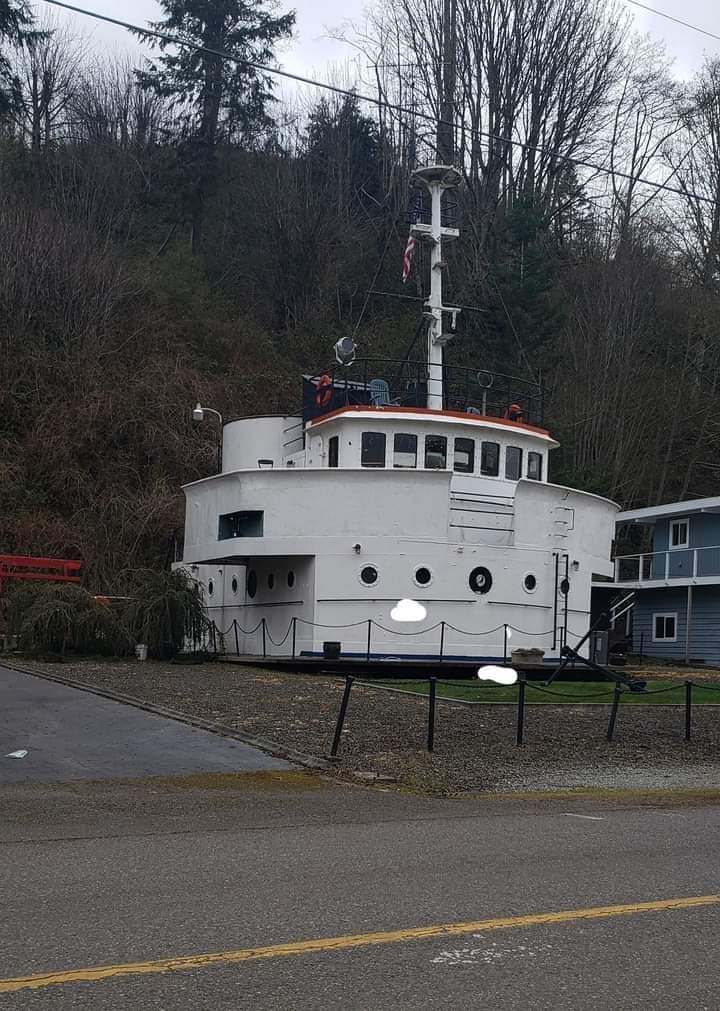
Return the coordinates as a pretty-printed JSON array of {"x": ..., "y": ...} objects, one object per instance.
[{"x": 436, "y": 179}]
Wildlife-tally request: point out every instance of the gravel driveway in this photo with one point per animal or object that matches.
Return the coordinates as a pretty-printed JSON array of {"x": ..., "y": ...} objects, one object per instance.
[{"x": 475, "y": 748}]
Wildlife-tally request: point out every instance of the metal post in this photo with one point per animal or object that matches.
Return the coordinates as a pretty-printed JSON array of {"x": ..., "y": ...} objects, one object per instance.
[
  {"x": 237, "y": 641},
  {"x": 442, "y": 639},
  {"x": 688, "y": 708},
  {"x": 263, "y": 638},
  {"x": 642, "y": 643},
  {"x": 213, "y": 629},
  {"x": 431, "y": 715},
  {"x": 367, "y": 655},
  {"x": 341, "y": 716},
  {"x": 613, "y": 711},
  {"x": 566, "y": 595},
  {"x": 555, "y": 598},
  {"x": 505, "y": 631},
  {"x": 294, "y": 628},
  {"x": 520, "y": 710}
]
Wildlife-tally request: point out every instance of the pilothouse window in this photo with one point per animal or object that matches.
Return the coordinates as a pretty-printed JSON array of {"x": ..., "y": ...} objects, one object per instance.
[
  {"x": 513, "y": 463},
  {"x": 373, "y": 449},
  {"x": 435, "y": 452},
  {"x": 464, "y": 456},
  {"x": 405, "y": 451},
  {"x": 534, "y": 466},
  {"x": 490, "y": 459},
  {"x": 333, "y": 444}
]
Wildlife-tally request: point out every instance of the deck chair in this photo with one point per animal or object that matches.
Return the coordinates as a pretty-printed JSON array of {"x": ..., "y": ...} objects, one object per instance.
[{"x": 380, "y": 393}]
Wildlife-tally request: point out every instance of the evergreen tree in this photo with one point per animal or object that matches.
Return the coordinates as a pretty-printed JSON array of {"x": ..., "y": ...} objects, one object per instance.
[
  {"x": 15, "y": 25},
  {"x": 215, "y": 98},
  {"x": 344, "y": 155}
]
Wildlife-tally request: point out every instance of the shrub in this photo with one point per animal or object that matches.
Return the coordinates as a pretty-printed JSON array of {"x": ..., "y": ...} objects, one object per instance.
[
  {"x": 166, "y": 611},
  {"x": 66, "y": 618}
]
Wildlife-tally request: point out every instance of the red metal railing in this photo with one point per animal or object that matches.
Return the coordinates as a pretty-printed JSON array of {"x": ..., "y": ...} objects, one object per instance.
[{"x": 48, "y": 570}]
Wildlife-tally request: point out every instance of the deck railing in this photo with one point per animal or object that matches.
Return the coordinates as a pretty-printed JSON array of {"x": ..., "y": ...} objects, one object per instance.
[
  {"x": 480, "y": 391},
  {"x": 675, "y": 563}
]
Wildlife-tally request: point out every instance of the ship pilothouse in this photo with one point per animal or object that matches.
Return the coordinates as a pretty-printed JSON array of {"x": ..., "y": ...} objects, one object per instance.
[{"x": 399, "y": 479}]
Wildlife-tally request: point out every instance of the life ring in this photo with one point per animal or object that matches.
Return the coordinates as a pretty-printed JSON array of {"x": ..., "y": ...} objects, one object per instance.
[{"x": 324, "y": 393}]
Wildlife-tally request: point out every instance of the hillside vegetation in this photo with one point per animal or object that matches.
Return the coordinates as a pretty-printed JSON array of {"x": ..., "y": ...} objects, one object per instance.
[{"x": 179, "y": 235}]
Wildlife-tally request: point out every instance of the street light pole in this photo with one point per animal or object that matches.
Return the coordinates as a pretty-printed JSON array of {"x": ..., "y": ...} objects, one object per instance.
[{"x": 198, "y": 415}]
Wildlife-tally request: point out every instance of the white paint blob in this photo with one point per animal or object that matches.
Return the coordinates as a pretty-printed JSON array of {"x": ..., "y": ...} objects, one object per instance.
[
  {"x": 17, "y": 754},
  {"x": 408, "y": 610},
  {"x": 500, "y": 675}
]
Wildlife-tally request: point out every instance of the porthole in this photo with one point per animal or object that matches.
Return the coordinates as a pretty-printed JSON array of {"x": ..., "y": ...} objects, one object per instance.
[
  {"x": 480, "y": 580},
  {"x": 291, "y": 578},
  {"x": 530, "y": 582},
  {"x": 423, "y": 576},
  {"x": 565, "y": 587},
  {"x": 368, "y": 575},
  {"x": 271, "y": 581},
  {"x": 252, "y": 583},
  {"x": 211, "y": 587},
  {"x": 234, "y": 585}
]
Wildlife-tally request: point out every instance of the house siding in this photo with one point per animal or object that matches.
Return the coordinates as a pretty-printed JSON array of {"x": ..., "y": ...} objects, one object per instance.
[
  {"x": 703, "y": 532},
  {"x": 704, "y": 623}
]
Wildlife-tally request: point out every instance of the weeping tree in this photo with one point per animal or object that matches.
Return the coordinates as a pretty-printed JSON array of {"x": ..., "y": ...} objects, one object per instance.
[
  {"x": 216, "y": 99},
  {"x": 60, "y": 619},
  {"x": 166, "y": 611}
]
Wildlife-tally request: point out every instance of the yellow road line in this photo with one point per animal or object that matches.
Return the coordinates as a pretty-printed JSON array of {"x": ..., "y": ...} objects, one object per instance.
[{"x": 344, "y": 942}]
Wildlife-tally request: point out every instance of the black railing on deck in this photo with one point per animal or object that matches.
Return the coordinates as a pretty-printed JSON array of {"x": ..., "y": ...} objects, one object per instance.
[{"x": 480, "y": 391}]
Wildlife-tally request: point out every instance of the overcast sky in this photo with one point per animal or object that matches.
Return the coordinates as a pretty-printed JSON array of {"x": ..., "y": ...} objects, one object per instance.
[{"x": 311, "y": 50}]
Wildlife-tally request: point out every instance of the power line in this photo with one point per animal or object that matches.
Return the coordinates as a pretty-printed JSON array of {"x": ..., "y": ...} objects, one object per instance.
[
  {"x": 678, "y": 21},
  {"x": 356, "y": 96}
]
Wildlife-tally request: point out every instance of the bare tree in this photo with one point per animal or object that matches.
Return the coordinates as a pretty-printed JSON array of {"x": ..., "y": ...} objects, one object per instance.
[{"x": 44, "y": 79}]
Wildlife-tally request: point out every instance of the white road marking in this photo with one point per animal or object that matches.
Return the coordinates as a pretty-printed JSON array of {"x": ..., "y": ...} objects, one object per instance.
[
  {"x": 587, "y": 817},
  {"x": 488, "y": 955}
]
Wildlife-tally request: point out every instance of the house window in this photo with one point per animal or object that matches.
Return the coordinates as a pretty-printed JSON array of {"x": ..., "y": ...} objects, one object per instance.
[
  {"x": 490, "y": 459},
  {"x": 534, "y": 466},
  {"x": 464, "y": 457},
  {"x": 665, "y": 627},
  {"x": 333, "y": 450},
  {"x": 679, "y": 533},
  {"x": 513, "y": 463},
  {"x": 405, "y": 451},
  {"x": 435, "y": 452},
  {"x": 372, "y": 453}
]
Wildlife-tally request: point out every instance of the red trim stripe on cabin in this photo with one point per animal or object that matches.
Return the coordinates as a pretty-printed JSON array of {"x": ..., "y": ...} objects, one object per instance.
[{"x": 430, "y": 412}]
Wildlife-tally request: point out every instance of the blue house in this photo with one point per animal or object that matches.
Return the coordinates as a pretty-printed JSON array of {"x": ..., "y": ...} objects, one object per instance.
[{"x": 676, "y": 583}]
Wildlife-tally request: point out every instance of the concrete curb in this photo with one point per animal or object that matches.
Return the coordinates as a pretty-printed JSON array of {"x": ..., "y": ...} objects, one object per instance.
[{"x": 269, "y": 747}]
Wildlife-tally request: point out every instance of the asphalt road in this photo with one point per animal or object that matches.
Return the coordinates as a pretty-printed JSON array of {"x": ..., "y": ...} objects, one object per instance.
[
  {"x": 70, "y": 734},
  {"x": 127, "y": 839},
  {"x": 136, "y": 872}
]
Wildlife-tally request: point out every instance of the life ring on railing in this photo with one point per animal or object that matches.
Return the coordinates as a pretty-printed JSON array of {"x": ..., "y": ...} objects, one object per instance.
[{"x": 324, "y": 392}]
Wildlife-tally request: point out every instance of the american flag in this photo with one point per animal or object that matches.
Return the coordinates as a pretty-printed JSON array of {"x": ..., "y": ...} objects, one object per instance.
[{"x": 410, "y": 247}]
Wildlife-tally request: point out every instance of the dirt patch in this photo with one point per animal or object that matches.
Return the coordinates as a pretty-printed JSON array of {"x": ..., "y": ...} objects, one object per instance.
[{"x": 386, "y": 732}]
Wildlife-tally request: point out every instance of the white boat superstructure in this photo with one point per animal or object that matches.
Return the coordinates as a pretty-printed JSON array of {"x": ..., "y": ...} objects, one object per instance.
[{"x": 428, "y": 482}]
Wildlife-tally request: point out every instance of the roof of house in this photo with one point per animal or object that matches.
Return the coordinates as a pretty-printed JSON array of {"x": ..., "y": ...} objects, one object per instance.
[{"x": 651, "y": 514}]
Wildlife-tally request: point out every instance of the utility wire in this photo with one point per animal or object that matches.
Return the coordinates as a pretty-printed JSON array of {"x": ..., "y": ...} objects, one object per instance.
[
  {"x": 177, "y": 41},
  {"x": 678, "y": 21}
]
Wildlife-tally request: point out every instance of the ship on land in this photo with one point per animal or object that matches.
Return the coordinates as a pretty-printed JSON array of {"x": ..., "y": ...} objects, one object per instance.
[{"x": 398, "y": 479}]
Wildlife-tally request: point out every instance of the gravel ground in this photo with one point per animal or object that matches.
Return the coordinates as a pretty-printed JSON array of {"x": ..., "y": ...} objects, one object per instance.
[{"x": 475, "y": 748}]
